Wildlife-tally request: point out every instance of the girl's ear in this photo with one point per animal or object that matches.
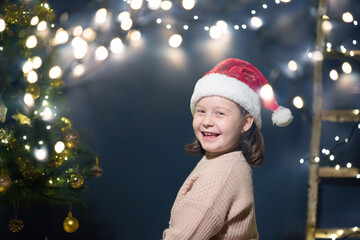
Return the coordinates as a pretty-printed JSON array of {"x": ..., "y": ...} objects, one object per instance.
[{"x": 247, "y": 123}]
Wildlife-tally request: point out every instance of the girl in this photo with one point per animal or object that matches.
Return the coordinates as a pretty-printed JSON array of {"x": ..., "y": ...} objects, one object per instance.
[{"x": 216, "y": 201}]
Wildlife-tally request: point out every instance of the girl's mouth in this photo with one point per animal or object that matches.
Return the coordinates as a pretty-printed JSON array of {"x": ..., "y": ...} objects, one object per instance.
[{"x": 210, "y": 136}]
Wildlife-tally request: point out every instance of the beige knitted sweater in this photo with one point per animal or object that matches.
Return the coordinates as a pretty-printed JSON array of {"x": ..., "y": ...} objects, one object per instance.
[{"x": 216, "y": 201}]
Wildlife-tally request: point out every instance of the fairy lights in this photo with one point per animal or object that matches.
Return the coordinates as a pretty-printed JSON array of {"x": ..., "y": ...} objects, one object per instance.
[
  {"x": 31, "y": 42},
  {"x": 55, "y": 72},
  {"x": 346, "y": 67},
  {"x": 101, "y": 53},
  {"x": 347, "y": 17},
  {"x": 100, "y": 16},
  {"x": 188, "y": 4},
  {"x": 292, "y": 65},
  {"x": 34, "y": 20},
  {"x": 298, "y": 102},
  {"x": 116, "y": 45},
  {"x": 175, "y": 41},
  {"x": 2, "y": 25},
  {"x": 42, "y": 26}
]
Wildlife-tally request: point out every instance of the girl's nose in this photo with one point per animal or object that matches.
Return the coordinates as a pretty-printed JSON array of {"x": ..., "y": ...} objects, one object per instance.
[{"x": 208, "y": 121}]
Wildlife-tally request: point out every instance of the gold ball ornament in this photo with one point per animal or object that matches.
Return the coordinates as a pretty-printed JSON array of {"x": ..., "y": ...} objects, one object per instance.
[
  {"x": 96, "y": 171},
  {"x": 16, "y": 225},
  {"x": 70, "y": 224},
  {"x": 34, "y": 90},
  {"x": 5, "y": 181},
  {"x": 71, "y": 138},
  {"x": 76, "y": 180}
]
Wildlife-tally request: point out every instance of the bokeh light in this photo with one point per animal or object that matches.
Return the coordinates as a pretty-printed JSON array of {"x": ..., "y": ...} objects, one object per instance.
[
  {"x": 298, "y": 102},
  {"x": 175, "y": 40},
  {"x": 101, "y": 53}
]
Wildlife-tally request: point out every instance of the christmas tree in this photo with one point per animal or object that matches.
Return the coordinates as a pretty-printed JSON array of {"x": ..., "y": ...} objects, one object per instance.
[{"x": 41, "y": 156}]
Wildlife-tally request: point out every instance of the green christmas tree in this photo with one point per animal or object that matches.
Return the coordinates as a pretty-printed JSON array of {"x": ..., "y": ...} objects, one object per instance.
[{"x": 41, "y": 158}]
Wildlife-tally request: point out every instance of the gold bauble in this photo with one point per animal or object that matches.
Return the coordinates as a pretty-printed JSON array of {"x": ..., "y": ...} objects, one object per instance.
[
  {"x": 5, "y": 181},
  {"x": 70, "y": 223},
  {"x": 76, "y": 180},
  {"x": 34, "y": 90},
  {"x": 71, "y": 138},
  {"x": 16, "y": 225},
  {"x": 96, "y": 171}
]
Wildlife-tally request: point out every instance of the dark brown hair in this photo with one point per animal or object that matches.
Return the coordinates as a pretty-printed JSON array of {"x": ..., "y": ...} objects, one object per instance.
[{"x": 251, "y": 144}]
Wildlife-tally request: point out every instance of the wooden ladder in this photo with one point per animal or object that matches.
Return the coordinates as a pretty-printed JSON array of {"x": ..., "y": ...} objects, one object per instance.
[{"x": 319, "y": 115}]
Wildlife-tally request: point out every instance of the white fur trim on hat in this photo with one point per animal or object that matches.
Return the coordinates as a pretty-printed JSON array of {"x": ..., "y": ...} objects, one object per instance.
[
  {"x": 216, "y": 84},
  {"x": 282, "y": 117}
]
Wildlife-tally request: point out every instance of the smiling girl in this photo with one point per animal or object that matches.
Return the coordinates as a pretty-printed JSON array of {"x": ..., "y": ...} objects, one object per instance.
[{"x": 216, "y": 201}]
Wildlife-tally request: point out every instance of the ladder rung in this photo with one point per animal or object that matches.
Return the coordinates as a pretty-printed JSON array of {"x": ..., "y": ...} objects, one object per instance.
[
  {"x": 341, "y": 115},
  {"x": 330, "y": 172},
  {"x": 332, "y": 233},
  {"x": 338, "y": 54}
]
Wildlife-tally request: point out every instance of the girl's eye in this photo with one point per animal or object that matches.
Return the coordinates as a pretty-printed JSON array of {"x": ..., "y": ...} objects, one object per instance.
[
  {"x": 200, "y": 111},
  {"x": 220, "y": 113}
]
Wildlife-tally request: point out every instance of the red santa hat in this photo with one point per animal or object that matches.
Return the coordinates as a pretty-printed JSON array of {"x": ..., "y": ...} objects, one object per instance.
[{"x": 244, "y": 84}]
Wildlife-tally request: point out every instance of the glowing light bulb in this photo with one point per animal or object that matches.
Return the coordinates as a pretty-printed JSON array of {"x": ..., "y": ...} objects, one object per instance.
[
  {"x": 134, "y": 35},
  {"x": 100, "y": 16},
  {"x": 326, "y": 26},
  {"x": 358, "y": 176},
  {"x": 236, "y": 27},
  {"x": 298, "y": 102},
  {"x": 175, "y": 41},
  {"x": 2, "y": 25},
  {"x": 285, "y": 1},
  {"x": 158, "y": 20},
  {"x": 301, "y": 160},
  {"x": 348, "y": 165},
  {"x": 337, "y": 167},
  {"x": 334, "y": 75},
  {"x": 28, "y": 100},
  {"x": 126, "y": 24},
  {"x": 317, "y": 159},
  {"x": 61, "y": 36},
  {"x": 31, "y": 42},
  {"x": 337, "y": 138},
  {"x": 89, "y": 34},
  {"x": 188, "y": 4},
  {"x": 292, "y": 65},
  {"x": 32, "y": 77},
  {"x": 59, "y": 147},
  {"x": 41, "y": 154},
  {"x": 332, "y": 157},
  {"x": 347, "y": 17},
  {"x": 42, "y": 26},
  {"x": 222, "y": 25},
  {"x": 123, "y": 15},
  {"x": 317, "y": 56},
  {"x": 116, "y": 45},
  {"x": 256, "y": 22},
  {"x": 80, "y": 47},
  {"x": 36, "y": 62},
  {"x": 78, "y": 70},
  {"x": 27, "y": 67},
  {"x": 243, "y": 26},
  {"x": 266, "y": 92},
  {"x": 47, "y": 114},
  {"x": 154, "y": 4},
  {"x": 101, "y": 53},
  {"x": 346, "y": 67},
  {"x": 186, "y": 27},
  {"x": 166, "y": 5},
  {"x": 78, "y": 30},
  {"x": 136, "y": 4},
  {"x": 215, "y": 32},
  {"x": 34, "y": 21},
  {"x": 265, "y": 6},
  {"x": 55, "y": 72}
]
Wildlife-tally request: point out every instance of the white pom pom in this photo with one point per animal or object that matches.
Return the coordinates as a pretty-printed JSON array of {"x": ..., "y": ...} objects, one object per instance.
[{"x": 282, "y": 117}]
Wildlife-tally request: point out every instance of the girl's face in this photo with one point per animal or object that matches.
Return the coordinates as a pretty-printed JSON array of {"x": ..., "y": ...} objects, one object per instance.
[{"x": 218, "y": 124}]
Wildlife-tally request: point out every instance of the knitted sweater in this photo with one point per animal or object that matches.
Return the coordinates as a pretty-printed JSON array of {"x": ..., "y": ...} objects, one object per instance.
[{"x": 215, "y": 202}]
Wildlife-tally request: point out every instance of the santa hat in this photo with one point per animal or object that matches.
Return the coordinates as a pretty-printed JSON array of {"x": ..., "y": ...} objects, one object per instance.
[{"x": 244, "y": 84}]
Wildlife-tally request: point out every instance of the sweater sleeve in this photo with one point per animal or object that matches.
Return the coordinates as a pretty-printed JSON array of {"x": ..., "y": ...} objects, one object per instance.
[{"x": 197, "y": 214}]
